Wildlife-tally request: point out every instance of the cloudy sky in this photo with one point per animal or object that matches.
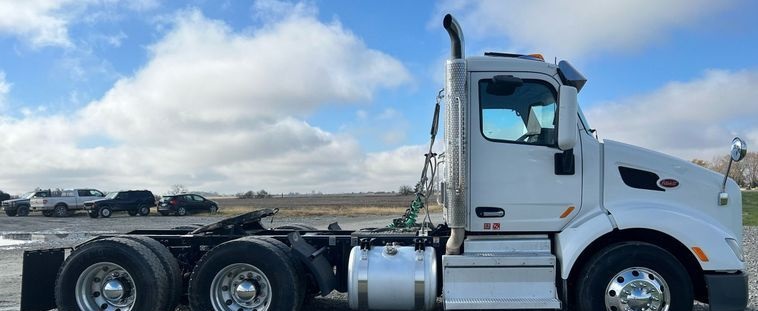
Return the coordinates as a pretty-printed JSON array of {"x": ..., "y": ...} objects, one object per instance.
[{"x": 336, "y": 95}]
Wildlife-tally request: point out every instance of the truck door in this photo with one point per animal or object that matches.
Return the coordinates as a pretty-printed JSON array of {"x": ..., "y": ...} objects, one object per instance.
[{"x": 514, "y": 185}]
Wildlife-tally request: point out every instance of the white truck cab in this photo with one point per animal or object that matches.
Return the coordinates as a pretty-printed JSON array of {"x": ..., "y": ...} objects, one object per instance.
[{"x": 532, "y": 196}]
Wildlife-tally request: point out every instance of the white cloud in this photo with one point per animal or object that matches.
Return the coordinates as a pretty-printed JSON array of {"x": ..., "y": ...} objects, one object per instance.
[
  {"x": 570, "y": 29},
  {"x": 219, "y": 110},
  {"x": 693, "y": 119},
  {"x": 41, "y": 22}
]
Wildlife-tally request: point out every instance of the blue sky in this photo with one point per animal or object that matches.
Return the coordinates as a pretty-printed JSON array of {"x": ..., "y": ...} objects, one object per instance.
[{"x": 212, "y": 77}]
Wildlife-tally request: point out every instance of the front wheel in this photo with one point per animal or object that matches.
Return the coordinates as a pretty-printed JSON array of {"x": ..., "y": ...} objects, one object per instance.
[
  {"x": 245, "y": 274},
  {"x": 11, "y": 213},
  {"x": 105, "y": 212},
  {"x": 634, "y": 276},
  {"x": 213, "y": 209}
]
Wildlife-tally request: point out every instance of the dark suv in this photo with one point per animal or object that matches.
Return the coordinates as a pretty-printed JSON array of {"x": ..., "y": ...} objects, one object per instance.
[
  {"x": 182, "y": 204},
  {"x": 134, "y": 202},
  {"x": 20, "y": 206}
]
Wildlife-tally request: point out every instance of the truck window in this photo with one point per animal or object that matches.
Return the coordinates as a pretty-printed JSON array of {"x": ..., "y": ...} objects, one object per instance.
[{"x": 526, "y": 116}]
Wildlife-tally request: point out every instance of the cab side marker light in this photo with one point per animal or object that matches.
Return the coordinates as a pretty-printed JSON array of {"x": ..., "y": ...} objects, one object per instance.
[{"x": 700, "y": 254}]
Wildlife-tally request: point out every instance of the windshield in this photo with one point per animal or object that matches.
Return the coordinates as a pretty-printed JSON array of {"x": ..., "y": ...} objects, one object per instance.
[
  {"x": 584, "y": 120},
  {"x": 111, "y": 195},
  {"x": 28, "y": 195}
]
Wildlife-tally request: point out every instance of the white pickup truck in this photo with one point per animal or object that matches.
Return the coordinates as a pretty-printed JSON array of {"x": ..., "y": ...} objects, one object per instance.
[{"x": 61, "y": 203}]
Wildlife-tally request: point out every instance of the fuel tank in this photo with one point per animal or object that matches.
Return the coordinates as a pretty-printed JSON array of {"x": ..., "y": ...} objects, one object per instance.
[{"x": 392, "y": 278}]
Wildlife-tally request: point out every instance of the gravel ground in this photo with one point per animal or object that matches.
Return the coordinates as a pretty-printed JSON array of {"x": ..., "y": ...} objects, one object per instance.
[{"x": 63, "y": 232}]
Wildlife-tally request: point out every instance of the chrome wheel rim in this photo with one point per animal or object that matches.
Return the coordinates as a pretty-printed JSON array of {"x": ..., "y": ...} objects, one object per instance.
[
  {"x": 637, "y": 289},
  {"x": 105, "y": 286},
  {"x": 105, "y": 212},
  {"x": 240, "y": 286}
]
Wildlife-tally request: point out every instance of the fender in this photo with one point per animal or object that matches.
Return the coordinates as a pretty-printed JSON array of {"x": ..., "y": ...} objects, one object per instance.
[
  {"x": 574, "y": 239},
  {"x": 689, "y": 226}
]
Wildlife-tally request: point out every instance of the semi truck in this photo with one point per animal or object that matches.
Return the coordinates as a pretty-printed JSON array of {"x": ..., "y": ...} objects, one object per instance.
[{"x": 538, "y": 214}]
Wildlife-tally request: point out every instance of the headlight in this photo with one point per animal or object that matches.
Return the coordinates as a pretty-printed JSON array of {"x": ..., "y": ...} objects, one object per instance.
[{"x": 735, "y": 248}]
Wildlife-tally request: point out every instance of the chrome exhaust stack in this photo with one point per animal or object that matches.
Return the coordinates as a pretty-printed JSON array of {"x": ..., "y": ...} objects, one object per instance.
[{"x": 455, "y": 137}]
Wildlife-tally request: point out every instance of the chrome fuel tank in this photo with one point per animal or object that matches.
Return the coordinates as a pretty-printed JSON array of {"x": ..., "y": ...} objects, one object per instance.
[{"x": 392, "y": 278}]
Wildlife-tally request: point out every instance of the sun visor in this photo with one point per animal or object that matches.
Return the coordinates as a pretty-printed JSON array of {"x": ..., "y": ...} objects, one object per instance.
[{"x": 571, "y": 76}]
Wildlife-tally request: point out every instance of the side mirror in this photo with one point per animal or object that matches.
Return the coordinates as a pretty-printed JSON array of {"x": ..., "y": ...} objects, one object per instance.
[
  {"x": 567, "y": 117},
  {"x": 739, "y": 149}
]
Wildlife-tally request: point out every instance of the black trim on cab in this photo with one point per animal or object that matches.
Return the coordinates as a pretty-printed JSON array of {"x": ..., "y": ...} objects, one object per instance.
[{"x": 640, "y": 179}]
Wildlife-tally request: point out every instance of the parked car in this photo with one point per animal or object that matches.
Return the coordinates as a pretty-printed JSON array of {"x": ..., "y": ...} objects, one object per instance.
[
  {"x": 60, "y": 204},
  {"x": 182, "y": 204},
  {"x": 20, "y": 206},
  {"x": 134, "y": 202}
]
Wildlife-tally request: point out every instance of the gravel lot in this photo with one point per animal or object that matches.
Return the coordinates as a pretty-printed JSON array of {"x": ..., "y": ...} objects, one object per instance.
[{"x": 61, "y": 232}]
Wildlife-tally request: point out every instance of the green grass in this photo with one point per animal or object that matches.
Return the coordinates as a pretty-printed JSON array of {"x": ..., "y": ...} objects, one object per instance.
[{"x": 750, "y": 208}]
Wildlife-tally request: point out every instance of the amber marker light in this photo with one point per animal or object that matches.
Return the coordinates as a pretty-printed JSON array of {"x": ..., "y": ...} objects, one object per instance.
[
  {"x": 567, "y": 211},
  {"x": 700, "y": 254}
]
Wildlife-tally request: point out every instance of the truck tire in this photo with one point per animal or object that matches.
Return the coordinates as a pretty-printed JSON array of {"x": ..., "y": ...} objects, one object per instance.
[
  {"x": 11, "y": 213},
  {"x": 169, "y": 264},
  {"x": 181, "y": 211},
  {"x": 634, "y": 274},
  {"x": 143, "y": 211},
  {"x": 60, "y": 210},
  {"x": 297, "y": 227},
  {"x": 301, "y": 286},
  {"x": 105, "y": 211},
  {"x": 47, "y": 213},
  {"x": 245, "y": 272},
  {"x": 112, "y": 274},
  {"x": 23, "y": 211}
]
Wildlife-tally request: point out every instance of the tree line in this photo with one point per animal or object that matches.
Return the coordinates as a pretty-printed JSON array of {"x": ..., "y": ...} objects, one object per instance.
[{"x": 745, "y": 172}]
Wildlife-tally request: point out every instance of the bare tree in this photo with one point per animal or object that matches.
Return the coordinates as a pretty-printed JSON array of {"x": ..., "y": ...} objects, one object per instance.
[
  {"x": 751, "y": 165},
  {"x": 178, "y": 189},
  {"x": 262, "y": 194},
  {"x": 405, "y": 190}
]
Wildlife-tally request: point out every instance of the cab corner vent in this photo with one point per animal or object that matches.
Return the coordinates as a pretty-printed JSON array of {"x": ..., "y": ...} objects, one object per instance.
[{"x": 640, "y": 179}]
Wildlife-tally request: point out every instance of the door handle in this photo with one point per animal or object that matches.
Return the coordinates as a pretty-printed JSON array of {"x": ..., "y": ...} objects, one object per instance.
[{"x": 490, "y": 212}]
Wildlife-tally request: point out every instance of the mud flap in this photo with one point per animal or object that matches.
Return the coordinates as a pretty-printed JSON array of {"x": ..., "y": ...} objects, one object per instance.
[
  {"x": 38, "y": 279},
  {"x": 315, "y": 261}
]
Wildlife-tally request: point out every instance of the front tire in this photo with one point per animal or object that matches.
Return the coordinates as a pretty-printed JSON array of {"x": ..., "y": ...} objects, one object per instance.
[
  {"x": 112, "y": 274},
  {"x": 247, "y": 274},
  {"x": 634, "y": 276},
  {"x": 213, "y": 209},
  {"x": 11, "y": 213},
  {"x": 105, "y": 212},
  {"x": 181, "y": 211}
]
